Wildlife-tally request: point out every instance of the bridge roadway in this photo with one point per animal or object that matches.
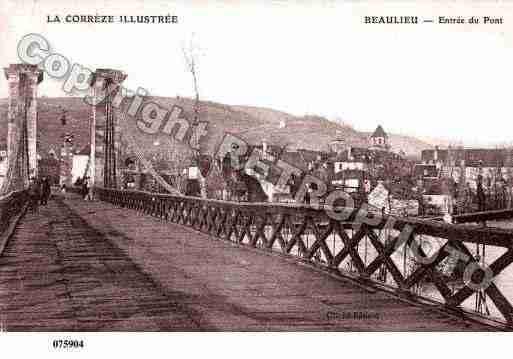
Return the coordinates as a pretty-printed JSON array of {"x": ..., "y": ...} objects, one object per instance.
[{"x": 89, "y": 266}]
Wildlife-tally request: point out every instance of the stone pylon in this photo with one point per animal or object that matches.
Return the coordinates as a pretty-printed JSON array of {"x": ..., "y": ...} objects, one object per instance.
[
  {"x": 66, "y": 165},
  {"x": 23, "y": 80},
  {"x": 105, "y": 129}
]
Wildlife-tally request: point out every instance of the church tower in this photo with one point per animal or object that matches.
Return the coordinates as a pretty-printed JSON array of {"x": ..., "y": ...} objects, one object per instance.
[{"x": 379, "y": 139}]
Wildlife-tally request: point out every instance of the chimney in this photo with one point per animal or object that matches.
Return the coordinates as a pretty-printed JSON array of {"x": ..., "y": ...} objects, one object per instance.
[
  {"x": 349, "y": 154},
  {"x": 435, "y": 154}
]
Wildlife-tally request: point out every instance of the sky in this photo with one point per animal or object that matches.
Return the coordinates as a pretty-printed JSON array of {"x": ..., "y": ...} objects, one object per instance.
[{"x": 428, "y": 80}]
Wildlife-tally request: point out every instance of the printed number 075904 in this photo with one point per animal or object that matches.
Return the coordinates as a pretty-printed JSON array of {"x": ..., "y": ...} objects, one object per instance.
[{"x": 64, "y": 344}]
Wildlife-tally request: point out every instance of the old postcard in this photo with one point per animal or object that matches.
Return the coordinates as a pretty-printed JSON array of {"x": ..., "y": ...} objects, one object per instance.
[{"x": 266, "y": 166}]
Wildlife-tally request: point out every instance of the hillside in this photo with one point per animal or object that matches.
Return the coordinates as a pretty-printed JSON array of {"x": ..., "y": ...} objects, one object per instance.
[
  {"x": 250, "y": 123},
  {"x": 50, "y": 130},
  {"x": 314, "y": 132}
]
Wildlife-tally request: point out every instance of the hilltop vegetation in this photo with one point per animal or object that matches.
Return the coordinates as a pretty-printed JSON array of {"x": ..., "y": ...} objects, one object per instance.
[{"x": 251, "y": 123}]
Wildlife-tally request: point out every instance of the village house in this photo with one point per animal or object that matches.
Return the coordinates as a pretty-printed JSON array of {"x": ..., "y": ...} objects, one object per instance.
[
  {"x": 353, "y": 166},
  {"x": 79, "y": 164},
  {"x": 466, "y": 164},
  {"x": 390, "y": 198},
  {"x": 353, "y": 169},
  {"x": 351, "y": 180},
  {"x": 439, "y": 197},
  {"x": 350, "y": 159},
  {"x": 306, "y": 161},
  {"x": 426, "y": 171},
  {"x": 338, "y": 144}
]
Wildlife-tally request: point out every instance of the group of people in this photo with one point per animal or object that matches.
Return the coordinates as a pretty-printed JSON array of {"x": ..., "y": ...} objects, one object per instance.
[{"x": 39, "y": 192}]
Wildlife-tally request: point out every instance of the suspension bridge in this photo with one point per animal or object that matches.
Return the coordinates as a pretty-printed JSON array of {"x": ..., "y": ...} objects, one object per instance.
[{"x": 133, "y": 260}]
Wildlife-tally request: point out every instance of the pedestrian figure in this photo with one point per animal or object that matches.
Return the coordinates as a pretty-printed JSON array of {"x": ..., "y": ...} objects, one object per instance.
[
  {"x": 34, "y": 192},
  {"x": 480, "y": 194},
  {"x": 87, "y": 189},
  {"x": 508, "y": 194},
  {"x": 46, "y": 191}
]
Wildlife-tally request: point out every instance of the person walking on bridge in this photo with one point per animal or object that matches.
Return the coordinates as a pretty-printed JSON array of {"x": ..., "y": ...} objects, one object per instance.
[
  {"x": 480, "y": 194},
  {"x": 87, "y": 191},
  {"x": 34, "y": 192},
  {"x": 46, "y": 191}
]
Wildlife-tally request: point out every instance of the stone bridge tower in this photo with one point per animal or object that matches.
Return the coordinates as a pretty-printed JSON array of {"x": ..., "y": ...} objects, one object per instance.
[
  {"x": 105, "y": 129},
  {"x": 23, "y": 80}
]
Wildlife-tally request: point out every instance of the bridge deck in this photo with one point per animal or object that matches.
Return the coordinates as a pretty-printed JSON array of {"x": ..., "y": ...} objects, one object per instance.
[{"x": 91, "y": 266}]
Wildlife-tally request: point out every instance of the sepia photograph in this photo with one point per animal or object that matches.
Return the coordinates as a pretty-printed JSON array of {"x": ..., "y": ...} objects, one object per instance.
[{"x": 260, "y": 166}]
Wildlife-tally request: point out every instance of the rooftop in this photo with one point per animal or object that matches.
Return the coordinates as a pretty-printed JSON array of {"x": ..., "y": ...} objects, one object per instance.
[{"x": 379, "y": 132}]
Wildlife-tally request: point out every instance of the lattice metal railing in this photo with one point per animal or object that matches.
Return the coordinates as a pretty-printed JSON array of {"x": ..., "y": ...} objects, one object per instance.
[
  {"x": 418, "y": 258},
  {"x": 11, "y": 206}
]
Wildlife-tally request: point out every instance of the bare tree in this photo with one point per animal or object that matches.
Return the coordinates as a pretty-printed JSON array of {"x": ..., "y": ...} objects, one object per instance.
[{"x": 191, "y": 54}]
